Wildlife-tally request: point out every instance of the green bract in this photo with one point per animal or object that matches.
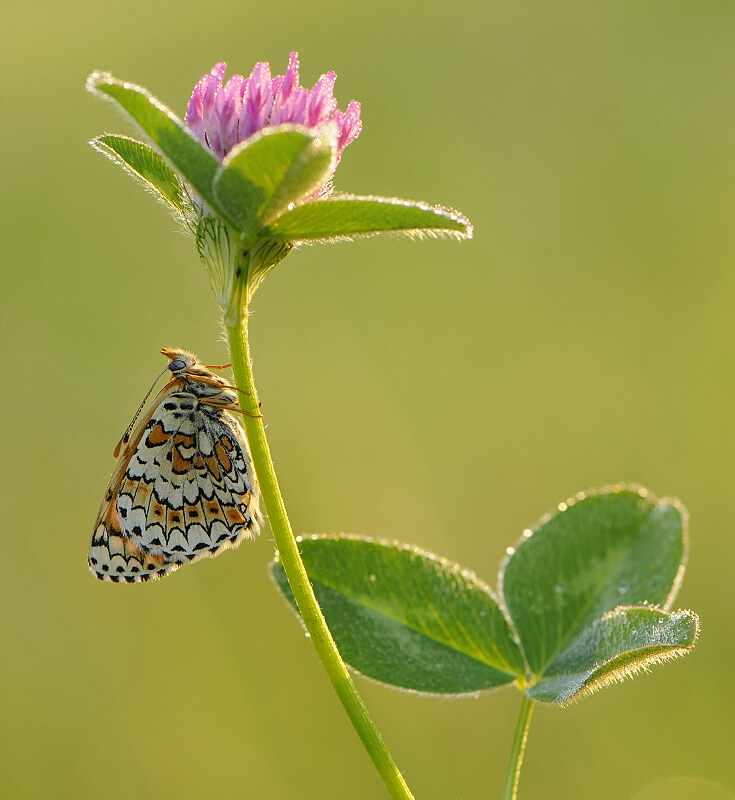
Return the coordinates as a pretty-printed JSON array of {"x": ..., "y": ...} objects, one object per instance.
[
  {"x": 261, "y": 177},
  {"x": 270, "y": 188},
  {"x": 584, "y": 601},
  {"x": 193, "y": 162},
  {"x": 349, "y": 216},
  {"x": 148, "y": 167}
]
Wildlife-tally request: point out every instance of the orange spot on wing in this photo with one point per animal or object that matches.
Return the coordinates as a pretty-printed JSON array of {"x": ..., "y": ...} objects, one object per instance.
[
  {"x": 111, "y": 521},
  {"x": 213, "y": 510},
  {"x": 222, "y": 457},
  {"x": 179, "y": 462},
  {"x": 158, "y": 560},
  {"x": 213, "y": 466},
  {"x": 235, "y": 516},
  {"x": 142, "y": 494},
  {"x": 157, "y": 436}
]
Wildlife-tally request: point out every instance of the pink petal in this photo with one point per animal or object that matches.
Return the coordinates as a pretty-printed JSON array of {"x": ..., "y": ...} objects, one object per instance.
[
  {"x": 286, "y": 84},
  {"x": 194, "y": 119},
  {"x": 258, "y": 102},
  {"x": 294, "y": 110},
  {"x": 209, "y": 101},
  {"x": 229, "y": 104},
  {"x": 349, "y": 125},
  {"x": 321, "y": 104}
]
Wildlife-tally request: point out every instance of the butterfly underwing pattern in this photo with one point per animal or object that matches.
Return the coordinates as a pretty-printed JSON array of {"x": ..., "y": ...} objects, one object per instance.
[{"x": 183, "y": 487}]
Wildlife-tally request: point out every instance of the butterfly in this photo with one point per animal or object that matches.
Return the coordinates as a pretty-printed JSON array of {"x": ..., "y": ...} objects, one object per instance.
[{"x": 183, "y": 487}]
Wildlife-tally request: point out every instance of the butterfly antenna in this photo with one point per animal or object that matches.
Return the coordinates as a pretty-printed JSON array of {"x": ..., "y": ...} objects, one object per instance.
[{"x": 126, "y": 435}]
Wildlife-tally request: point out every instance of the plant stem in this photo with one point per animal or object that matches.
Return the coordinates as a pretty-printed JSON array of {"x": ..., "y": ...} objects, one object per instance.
[
  {"x": 513, "y": 774},
  {"x": 236, "y": 322}
]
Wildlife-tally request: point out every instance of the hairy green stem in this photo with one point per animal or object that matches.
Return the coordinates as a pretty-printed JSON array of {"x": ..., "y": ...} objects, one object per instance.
[
  {"x": 513, "y": 774},
  {"x": 236, "y": 323}
]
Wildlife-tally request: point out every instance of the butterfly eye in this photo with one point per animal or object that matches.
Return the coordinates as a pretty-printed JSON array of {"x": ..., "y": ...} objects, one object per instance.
[{"x": 177, "y": 365}]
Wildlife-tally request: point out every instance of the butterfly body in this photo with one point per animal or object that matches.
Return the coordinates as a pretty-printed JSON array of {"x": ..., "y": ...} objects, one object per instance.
[{"x": 184, "y": 486}]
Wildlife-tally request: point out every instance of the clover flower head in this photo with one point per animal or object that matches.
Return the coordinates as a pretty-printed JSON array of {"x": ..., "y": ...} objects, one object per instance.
[
  {"x": 220, "y": 115},
  {"x": 278, "y": 145}
]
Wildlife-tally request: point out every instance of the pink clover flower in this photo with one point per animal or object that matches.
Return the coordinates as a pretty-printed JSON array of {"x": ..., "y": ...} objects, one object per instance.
[{"x": 220, "y": 116}]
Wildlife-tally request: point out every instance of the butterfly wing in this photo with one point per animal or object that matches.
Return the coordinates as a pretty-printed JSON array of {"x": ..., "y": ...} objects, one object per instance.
[
  {"x": 227, "y": 488},
  {"x": 115, "y": 557},
  {"x": 188, "y": 490}
]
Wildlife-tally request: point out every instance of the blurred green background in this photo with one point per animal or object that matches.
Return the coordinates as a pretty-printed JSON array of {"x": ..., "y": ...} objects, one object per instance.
[{"x": 439, "y": 393}]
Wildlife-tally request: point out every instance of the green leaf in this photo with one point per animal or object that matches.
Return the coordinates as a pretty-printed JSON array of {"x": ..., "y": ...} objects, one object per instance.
[
  {"x": 618, "y": 645},
  {"x": 146, "y": 166},
  {"x": 619, "y": 547},
  {"x": 407, "y": 618},
  {"x": 195, "y": 163},
  {"x": 265, "y": 174},
  {"x": 349, "y": 216},
  {"x": 579, "y": 592}
]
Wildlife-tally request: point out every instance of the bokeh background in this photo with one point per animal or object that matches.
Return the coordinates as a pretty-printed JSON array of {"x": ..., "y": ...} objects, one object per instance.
[{"x": 444, "y": 394}]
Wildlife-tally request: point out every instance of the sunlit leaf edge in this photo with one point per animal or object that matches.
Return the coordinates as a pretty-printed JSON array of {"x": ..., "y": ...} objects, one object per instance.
[
  {"x": 628, "y": 664},
  {"x": 182, "y": 210},
  {"x": 99, "y": 83},
  {"x": 395, "y": 544},
  {"x": 620, "y": 668},
  {"x": 463, "y": 230},
  {"x": 613, "y": 488}
]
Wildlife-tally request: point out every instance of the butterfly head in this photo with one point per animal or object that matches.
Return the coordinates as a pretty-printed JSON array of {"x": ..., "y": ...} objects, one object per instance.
[{"x": 181, "y": 360}]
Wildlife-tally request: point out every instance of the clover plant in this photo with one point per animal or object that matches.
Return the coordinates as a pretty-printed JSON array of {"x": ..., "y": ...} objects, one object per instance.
[{"x": 584, "y": 599}]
